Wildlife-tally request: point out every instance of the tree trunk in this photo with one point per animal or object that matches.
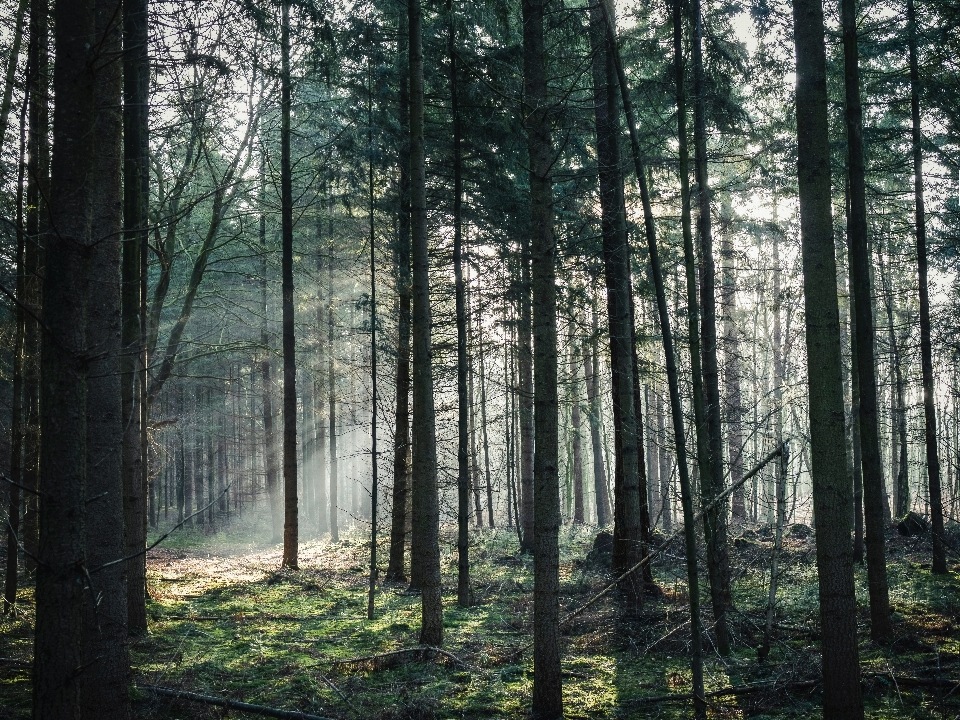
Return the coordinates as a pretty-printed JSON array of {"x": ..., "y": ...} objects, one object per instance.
[
  {"x": 401, "y": 437},
  {"x": 483, "y": 424},
  {"x": 673, "y": 381},
  {"x": 290, "y": 515},
  {"x": 842, "y": 697},
  {"x": 590, "y": 373},
  {"x": 547, "y": 686},
  {"x": 627, "y": 540},
  {"x": 731, "y": 360},
  {"x": 525, "y": 392},
  {"x": 855, "y": 433},
  {"x": 578, "y": 510},
  {"x": 463, "y": 400},
  {"x": 711, "y": 482},
  {"x": 426, "y": 501},
  {"x": 332, "y": 398},
  {"x": 926, "y": 352},
  {"x": 269, "y": 442},
  {"x": 880, "y": 625},
  {"x": 58, "y": 638},
  {"x": 374, "y": 489},
  {"x": 136, "y": 198}
]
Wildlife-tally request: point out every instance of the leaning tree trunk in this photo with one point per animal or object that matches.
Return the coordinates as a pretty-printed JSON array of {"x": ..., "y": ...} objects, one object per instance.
[
  {"x": 290, "y": 515},
  {"x": 401, "y": 435},
  {"x": 880, "y": 625},
  {"x": 673, "y": 378},
  {"x": 627, "y": 539},
  {"x": 426, "y": 500},
  {"x": 842, "y": 697},
  {"x": 926, "y": 352},
  {"x": 547, "y": 686}
]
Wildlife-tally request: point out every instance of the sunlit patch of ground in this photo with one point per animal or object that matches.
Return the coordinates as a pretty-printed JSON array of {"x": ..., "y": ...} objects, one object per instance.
[{"x": 225, "y": 620}]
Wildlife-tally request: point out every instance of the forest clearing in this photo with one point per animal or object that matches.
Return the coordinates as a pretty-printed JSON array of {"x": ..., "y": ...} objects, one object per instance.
[{"x": 227, "y": 623}]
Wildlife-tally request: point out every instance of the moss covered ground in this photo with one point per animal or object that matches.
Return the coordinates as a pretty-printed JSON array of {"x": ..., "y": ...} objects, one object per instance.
[{"x": 225, "y": 621}]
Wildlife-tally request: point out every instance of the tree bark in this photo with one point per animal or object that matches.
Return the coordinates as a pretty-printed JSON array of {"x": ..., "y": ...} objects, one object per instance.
[
  {"x": 590, "y": 373},
  {"x": 831, "y": 487},
  {"x": 396, "y": 571},
  {"x": 60, "y": 572},
  {"x": 547, "y": 686},
  {"x": 926, "y": 353},
  {"x": 627, "y": 540},
  {"x": 332, "y": 399},
  {"x": 525, "y": 393},
  {"x": 578, "y": 509},
  {"x": 426, "y": 501},
  {"x": 880, "y": 625}
]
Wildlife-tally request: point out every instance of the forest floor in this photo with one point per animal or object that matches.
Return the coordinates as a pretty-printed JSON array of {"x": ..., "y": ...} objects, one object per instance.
[{"x": 226, "y": 622}]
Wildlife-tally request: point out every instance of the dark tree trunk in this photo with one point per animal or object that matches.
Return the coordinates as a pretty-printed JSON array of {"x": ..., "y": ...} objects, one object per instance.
[
  {"x": 290, "y": 515},
  {"x": 374, "y": 489},
  {"x": 136, "y": 197},
  {"x": 880, "y": 625},
  {"x": 926, "y": 352},
  {"x": 547, "y": 686},
  {"x": 711, "y": 483},
  {"x": 426, "y": 501},
  {"x": 396, "y": 571},
  {"x": 590, "y": 373},
  {"x": 673, "y": 380},
  {"x": 855, "y": 434},
  {"x": 104, "y": 683},
  {"x": 266, "y": 381},
  {"x": 627, "y": 540},
  {"x": 578, "y": 511},
  {"x": 842, "y": 697},
  {"x": 483, "y": 424},
  {"x": 463, "y": 401},
  {"x": 525, "y": 392},
  {"x": 59, "y": 591}
]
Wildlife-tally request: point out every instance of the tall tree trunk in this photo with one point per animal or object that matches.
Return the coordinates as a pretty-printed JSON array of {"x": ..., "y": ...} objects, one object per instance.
[
  {"x": 711, "y": 483},
  {"x": 38, "y": 222},
  {"x": 855, "y": 433},
  {"x": 731, "y": 360},
  {"x": 578, "y": 510},
  {"x": 332, "y": 399},
  {"x": 401, "y": 434},
  {"x": 463, "y": 400},
  {"x": 104, "y": 684},
  {"x": 483, "y": 424},
  {"x": 374, "y": 489},
  {"x": 673, "y": 380},
  {"x": 842, "y": 697},
  {"x": 627, "y": 550},
  {"x": 880, "y": 625},
  {"x": 136, "y": 198},
  {"x": 290, "y": 515},
  {"x": 547, "y": 686},
  {"x": 58, "y": 638},
  {"x": 926, "y": 352},
  {"x": 426, "y": 501},
  {"x": 591, "y": 376},
  {"x": 653, "y": 464},
  {"x": 266, "y": 381},
  {"x": 525, "y": 392}
]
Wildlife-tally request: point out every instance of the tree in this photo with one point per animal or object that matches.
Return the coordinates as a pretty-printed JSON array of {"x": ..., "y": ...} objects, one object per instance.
[
  {"x": 831, "y": 486},
  {"x": 547, "y": 687}
]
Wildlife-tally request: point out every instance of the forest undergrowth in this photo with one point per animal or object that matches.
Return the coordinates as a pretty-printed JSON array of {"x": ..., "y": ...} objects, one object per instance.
[{"x": 226, "y": 622}]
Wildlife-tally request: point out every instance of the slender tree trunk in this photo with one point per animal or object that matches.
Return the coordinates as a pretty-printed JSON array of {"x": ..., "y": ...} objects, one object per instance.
[
  {"x": 590, "y": 373},
  {"x": 673, "y": 380},
  {"x": 374, "y": 489},
  {"x": 547, "y": 686},
  {"x": 426, "y": 500},
  {"x": 578, "y": 510},
  {"x": 653, "y": 464},
  {"x": 401, "y": 436},
  {"x": 483, "y": 424},
  {"x": 880, "y": 625},
  {"x": 711, "y": 483},
  {"x": 525, "y": 392},
  {"x": 784, "y": 459},
  {"x": 855, "y": 433},
  {"x": 842, "y": 697},
  {"x": 332, "y": 399},
  {"x": 731, "y": 361},
  {"x": 290, "y": 515},
  {"x": 463, "y": 401},
  {"x": 926, "y": 352},
  {"x": 627, "y": 538},
  {"x": 266, "y": 381},
  {"x": 38, "y": 221},
  {"x": 136, "y": 198},
  {"x": 58, "y": 638}
]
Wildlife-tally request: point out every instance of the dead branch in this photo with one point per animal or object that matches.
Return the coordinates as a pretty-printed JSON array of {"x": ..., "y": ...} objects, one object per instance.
[
  {"x": 230, "y": 704},
  {"x": 386, "y": 659}
]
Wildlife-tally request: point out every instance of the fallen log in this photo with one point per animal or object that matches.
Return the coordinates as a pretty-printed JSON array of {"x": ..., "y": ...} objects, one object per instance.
[
  {"x": 229, "y": 704},
  {"x": 420, "y": 651}
]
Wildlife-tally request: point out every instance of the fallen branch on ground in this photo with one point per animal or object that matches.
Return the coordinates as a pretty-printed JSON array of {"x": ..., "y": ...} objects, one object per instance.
[
  {"x": 385, "y": 659},
  {"x": 230, "y": 704}
]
